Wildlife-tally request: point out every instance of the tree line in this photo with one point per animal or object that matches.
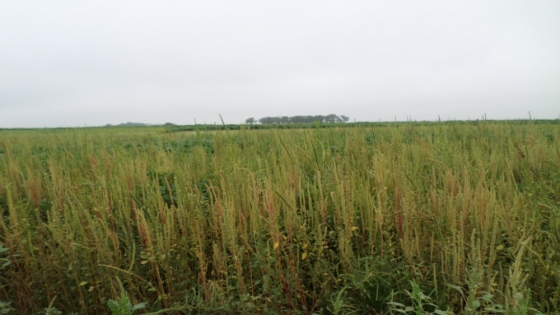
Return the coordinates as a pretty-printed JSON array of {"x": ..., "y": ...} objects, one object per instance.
[{"x": 332, "y": 118}]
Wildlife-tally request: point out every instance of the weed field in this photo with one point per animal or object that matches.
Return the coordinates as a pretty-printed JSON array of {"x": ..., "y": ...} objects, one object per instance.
[{"x": 409, "y": 218}]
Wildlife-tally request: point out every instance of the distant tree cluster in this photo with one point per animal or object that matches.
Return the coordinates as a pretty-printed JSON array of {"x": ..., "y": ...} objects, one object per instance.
[
  {"x": 128, "y": 124},
  {"x": 332, "y": 118}
]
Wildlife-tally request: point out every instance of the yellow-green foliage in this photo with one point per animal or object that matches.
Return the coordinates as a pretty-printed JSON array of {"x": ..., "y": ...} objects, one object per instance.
[{"x": 312, "y": 220}]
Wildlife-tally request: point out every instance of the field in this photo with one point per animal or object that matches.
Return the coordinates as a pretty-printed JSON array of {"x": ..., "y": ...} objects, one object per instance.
[{"x": 402, "y": 218}]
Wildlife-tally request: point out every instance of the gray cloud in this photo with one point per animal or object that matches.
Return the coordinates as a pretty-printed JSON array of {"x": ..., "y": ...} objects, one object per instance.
[{"x": 71, "y": 63}]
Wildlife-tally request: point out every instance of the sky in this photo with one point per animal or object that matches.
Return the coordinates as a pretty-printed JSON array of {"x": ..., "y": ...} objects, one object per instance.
[{"x": 92, "y": 63}]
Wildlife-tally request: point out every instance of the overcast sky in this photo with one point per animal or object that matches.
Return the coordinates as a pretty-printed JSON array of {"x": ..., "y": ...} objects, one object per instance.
[{"x": 72, "y": 63}]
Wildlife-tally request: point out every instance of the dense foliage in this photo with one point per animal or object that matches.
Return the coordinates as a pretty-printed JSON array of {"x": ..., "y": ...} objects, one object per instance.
[
  {"x": 397, "y": 218},
  {"x": 307, "y": 119}
]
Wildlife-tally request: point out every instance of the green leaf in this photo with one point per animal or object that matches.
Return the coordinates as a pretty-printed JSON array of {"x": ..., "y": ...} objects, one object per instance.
[
  {"x": 5, "y": 307},
  {"x": 113, "y": 306},
  {"x": 139, "y": 306},
  {"x": 487, "y": 297},
  {"x": 457, "y": 288},
  {"x": 6, "y": 263},
  {"x": 396, "y": 304}
]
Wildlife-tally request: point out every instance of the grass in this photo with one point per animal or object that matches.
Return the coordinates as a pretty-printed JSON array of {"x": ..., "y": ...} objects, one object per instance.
[{"x": 394, "y": 218}]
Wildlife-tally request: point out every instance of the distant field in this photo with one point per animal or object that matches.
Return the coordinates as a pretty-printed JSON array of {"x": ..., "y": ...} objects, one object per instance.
[{"x": 401, "y": 218}]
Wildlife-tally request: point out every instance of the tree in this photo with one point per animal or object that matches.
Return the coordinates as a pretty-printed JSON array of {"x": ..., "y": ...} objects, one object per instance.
[
  {"x": 332, "y": 118},
  {"x": 250, "y": 120},
  {"x": 309, "y": 119}
]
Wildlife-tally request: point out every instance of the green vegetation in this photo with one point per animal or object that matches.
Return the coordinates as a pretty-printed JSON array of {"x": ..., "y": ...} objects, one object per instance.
[
  {"x": 330, "y": 119},
  {"x": 408, "y": 218}
]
